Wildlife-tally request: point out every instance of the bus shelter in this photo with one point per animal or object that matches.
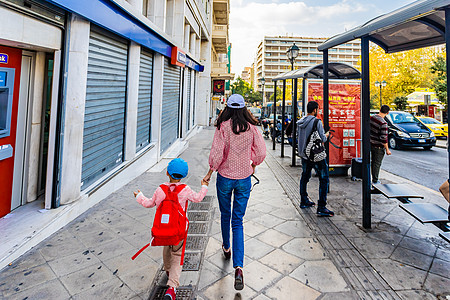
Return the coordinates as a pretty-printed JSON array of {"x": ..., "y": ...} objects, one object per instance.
[
  {"x": 420, "y": 24},
  {"x": 337, "y": 71}
]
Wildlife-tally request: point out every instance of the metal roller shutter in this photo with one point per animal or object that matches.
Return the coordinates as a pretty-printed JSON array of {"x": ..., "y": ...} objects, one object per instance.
[
  {"x": 170, "y": 105},
  {"x": 145, "y": 100},
  {"x": 194, "y": 98},
  {"x": 104, "y": 119},
  {"x": 188, "y": 100}
]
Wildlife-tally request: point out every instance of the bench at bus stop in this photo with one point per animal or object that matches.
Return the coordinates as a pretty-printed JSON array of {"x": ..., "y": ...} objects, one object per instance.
[{"x": 425, "y": 213}]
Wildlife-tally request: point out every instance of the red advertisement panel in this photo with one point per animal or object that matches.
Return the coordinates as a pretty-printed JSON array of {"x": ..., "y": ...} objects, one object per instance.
[{"x": 345, "y": 118}]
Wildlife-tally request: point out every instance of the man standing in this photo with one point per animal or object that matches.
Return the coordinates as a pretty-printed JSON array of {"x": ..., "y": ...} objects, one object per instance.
[
  {"x": 378, "y": 140},
  {"x": 305, "y": 127}
]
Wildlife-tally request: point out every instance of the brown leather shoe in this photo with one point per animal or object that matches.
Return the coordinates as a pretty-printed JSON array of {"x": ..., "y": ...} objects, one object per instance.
[
  {"x": 226, "y": 253},
  {"x": 238, "y": 279}
]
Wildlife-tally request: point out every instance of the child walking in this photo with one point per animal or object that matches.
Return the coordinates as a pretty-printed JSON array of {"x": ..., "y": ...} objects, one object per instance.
[{"x": 176, "y": 170}]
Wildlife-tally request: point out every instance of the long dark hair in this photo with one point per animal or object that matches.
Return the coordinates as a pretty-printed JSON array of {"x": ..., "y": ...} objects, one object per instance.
[{"x": 240, "y": 119}]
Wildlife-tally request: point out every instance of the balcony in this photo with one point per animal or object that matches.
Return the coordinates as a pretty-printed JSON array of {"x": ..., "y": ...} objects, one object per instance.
[
  {"x": 220, "y": 38},
  {"x": 219, "y": 70},
  {"x": 221, "y": 11}
]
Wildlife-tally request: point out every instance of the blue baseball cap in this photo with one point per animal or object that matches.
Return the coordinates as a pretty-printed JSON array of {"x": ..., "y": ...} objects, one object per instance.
[
  {"x": 178, "y": 168},
  {"x": 236, "y": 101}
]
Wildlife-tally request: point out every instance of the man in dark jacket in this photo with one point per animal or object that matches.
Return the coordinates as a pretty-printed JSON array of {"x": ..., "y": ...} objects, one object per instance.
[{"x": 305, "y": 127}]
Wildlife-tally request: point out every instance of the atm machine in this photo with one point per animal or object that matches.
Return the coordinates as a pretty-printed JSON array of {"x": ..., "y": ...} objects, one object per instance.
[
  {"x": 10, "y": 68},
  {"x": 6, "y": 101}
]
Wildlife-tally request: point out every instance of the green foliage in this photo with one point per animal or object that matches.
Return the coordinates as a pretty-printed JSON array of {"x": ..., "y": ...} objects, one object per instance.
[
  {"x": 279, "y": 95},
  {"x": 439, "y": 82},
  {"x": 401, "y": 102},
  {"x": 243, "y": 88}
]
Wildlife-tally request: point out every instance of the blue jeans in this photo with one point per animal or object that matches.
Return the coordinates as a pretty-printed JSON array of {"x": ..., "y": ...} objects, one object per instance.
[
  {"x": 241, "y": 189},
  {"x": 321, "y": 168}
]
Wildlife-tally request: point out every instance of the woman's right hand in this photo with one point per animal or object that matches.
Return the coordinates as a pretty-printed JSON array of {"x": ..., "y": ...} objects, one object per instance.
[{"x": 207, "y": 178}]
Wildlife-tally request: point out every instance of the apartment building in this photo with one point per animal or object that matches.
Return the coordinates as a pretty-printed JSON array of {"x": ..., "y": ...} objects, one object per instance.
[
  {"x": 95, "y": 92},
  {"x": 271, "y": 59}
]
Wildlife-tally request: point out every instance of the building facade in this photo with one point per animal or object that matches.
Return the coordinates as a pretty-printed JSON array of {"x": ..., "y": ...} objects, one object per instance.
[
  {"x": 220, "y": 56},
  {"x": 271, "y": 59},
  {"x": 93, "y": 93}
]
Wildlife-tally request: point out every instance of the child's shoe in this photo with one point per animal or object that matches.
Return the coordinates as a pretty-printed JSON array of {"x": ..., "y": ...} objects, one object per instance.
[
  {"x": 170, "y": 294},
  {"x": 226, "y": 253}
]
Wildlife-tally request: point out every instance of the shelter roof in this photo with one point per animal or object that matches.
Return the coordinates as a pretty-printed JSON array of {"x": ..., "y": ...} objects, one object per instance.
[
  {"x": 416, "y": 25},
  {"x": 335, "y": 71}
]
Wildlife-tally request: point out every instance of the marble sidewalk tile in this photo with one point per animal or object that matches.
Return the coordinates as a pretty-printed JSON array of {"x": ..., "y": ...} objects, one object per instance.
[
  {"x": 281, "y": 261},
  {"x": 73, "y": 263},
  {"x": 251, "y": 228},
  {"x": 123, "y": 264},
  {"x": 289, "y": 288},
  {"x": 224, "y": 290},
  {"x": 210, "y": 274},
  {"x": 256, "y": 249},
  {"x": 87, "y": 278},
  {"x": 320, "y": 275},
  {"x": 52, "y": 289},
  {"x": 399, "y": 276},
  {"x": 440, "y": 267},
  {"x": 63, "y": 243},
  {"x": 371, "y": 248},
  {"x": 274, "y": 238},
  {"x": 437, "y": 285},
  {"x": 111, "y": 249},
  {"x": 297, "y": 229},
  {"x": 305, "y": 248},
  {"x": 415, "y": 295},
  {"x": 412, "y": 258},
  {"x": 141, "y": 278},
  {"x": 259, "y": 276},
  {"x": 112, "y": 289},
  {"x": 24, "y": 280},
  {"x": 31, "y": 259}
]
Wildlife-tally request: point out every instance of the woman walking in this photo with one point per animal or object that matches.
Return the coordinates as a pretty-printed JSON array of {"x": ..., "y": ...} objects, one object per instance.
[{"x": 238, "y": 147}]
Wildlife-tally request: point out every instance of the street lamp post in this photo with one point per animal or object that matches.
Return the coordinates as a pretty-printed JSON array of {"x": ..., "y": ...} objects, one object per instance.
[
  {"x": 381, "y": 85},
  {"x": 292, "y": 54}
]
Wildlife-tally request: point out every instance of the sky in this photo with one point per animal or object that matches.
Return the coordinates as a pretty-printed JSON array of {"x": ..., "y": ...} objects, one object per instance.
[{"x": 251, "y": 20}]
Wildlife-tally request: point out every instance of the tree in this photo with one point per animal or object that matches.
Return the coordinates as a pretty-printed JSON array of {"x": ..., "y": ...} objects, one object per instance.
[
  {"x": 439, "y": 81},
  {"x": 401, "y": 102},
  {"x": 279, "y": 95},
  {"x": 244, "y": 88},
  {"x": 403, "y": 71}
]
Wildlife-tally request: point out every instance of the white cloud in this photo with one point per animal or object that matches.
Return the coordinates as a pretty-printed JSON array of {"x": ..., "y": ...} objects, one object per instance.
[{"x": 251, "y": 21}]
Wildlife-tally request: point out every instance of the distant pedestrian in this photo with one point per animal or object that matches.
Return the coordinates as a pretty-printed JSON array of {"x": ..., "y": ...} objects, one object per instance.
[
  {"x": 378, "y": 141},
  {"x": 306, "y": 125},
  {"x": 172, "y": 255},
  {"x": 238, "y": 147}
]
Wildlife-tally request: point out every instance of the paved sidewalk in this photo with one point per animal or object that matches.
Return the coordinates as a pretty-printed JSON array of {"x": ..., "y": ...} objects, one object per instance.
[{"x": 290, "y": 253}]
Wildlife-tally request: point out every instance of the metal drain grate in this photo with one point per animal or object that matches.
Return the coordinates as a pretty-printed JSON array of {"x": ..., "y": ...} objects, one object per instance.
[
  {"x": 198, "y": 228},
  {"x": 183, "y": 293},
  {"x": 207, "y": 199},
  {"x": 196, "y": 242},
  {"x": 194, "y": 216},
  {"x": 192, "y": 261},
  {"x": 199, "y": 206}
]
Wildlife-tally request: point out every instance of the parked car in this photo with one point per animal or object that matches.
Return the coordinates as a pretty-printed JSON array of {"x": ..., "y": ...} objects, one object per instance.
[
  {"x": 439, "y": 129},
  {"x": 406, "y": 131},
  {"x": 256, "y": 112}
]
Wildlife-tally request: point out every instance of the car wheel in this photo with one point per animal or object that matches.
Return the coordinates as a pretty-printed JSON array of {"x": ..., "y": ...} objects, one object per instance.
[
  {"x": 393, "y": 143},
  {"x": 428, "y": 148}
]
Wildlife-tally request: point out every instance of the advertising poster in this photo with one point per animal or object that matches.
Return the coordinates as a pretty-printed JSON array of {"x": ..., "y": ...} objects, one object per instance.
[
  {"x": 219, "y": 87},
  {"x": 344, "y": 118}
]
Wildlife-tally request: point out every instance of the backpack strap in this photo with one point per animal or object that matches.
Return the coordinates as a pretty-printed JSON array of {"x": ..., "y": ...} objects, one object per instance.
[{"x": 316, "y": 121}]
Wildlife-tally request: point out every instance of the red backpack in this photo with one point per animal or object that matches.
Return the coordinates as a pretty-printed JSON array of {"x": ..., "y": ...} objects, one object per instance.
[{"x": 170, "y": 224}]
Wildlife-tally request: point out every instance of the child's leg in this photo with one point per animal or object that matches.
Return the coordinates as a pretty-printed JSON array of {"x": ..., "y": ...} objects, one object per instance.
[
  {"x": 167, "y": 257},
  {"x": 175, "y": 266}
]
